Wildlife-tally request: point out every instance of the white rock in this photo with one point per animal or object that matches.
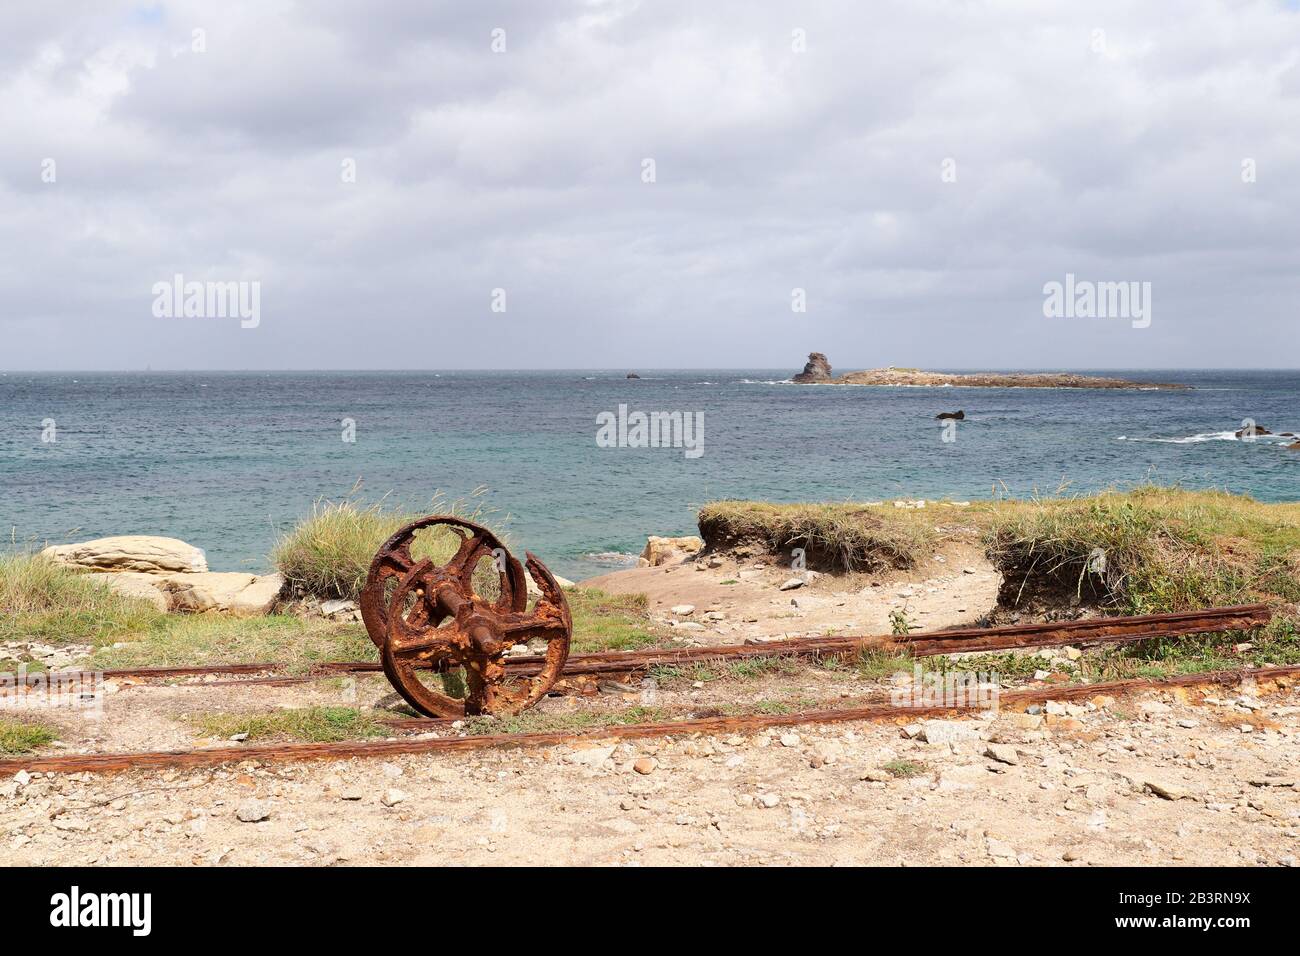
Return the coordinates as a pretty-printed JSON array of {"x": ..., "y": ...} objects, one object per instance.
[
  {"x": 330, "y": 608},
  {"x": 392, "y": 797},
  {"x": 591, "y": 756},
  {"x": 789, "y": 740},
  {"x": 253, "y": 810},
  {"x": 134, "y": 552},
  {"x": 948, "y": 732},
  {"x": 683, "y": 610},
  {"x": 791, "y": 584},
  {"x": 769, "y": 800}
]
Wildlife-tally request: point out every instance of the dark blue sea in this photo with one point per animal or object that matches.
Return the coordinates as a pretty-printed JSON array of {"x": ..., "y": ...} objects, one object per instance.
[{"x": 229, "y": 460}]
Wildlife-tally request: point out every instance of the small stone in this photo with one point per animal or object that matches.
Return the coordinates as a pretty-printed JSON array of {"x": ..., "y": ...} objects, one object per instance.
[
  {"x": 239, "y": 738},
  {"x": 1186, "y": 723},
  {"x": 769, "y": 800},
  {"x": 789, "y": 740},
  {"x": 948, "y": 732},
  {"x": 392, "y": 797},
  {"x": 997, "y": 848},
  {"x": 791, "y": 584},
  {"x": 645, "y": 765},
  {"x": 1165, "y": 789},
  {"x": 1073, "y": 653},
  {"x": 1003, "y": 753},
  {"x": 683, "y": 610},
  {"x": 253, "y": 810},
  {"x": 1070, "y": 855}
]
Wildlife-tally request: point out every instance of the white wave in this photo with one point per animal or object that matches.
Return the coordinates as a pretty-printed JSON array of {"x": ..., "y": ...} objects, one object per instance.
[{"x": 1208, "y": 436}]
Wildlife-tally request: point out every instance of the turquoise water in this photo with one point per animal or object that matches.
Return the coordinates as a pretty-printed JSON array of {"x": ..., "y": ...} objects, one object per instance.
[{"x": 229, "y": 460}]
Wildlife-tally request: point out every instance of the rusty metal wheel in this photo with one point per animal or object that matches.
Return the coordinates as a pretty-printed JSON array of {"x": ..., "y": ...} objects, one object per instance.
[
  {"x": 394, "y": 560},
  {"x": 474, "y": 635}
]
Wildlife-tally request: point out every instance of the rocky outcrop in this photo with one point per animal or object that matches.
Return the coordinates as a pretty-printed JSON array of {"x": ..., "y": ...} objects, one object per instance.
[
  {"x": 231, "y": 592},
  {"x": 633, "y": 375},
  {"x": 1294, "y": 446},
  {"x": 133, "y": 552},
  {"x": 957, "y": 416},
  {"x": 817, "y": 369},
  {"x": 660, "y": 550},
  {"x": 1255, "y": 431},
  {"x": 170, "y": 574}
]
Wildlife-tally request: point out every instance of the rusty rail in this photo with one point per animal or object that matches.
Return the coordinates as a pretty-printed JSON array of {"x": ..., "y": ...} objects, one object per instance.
[
  {"x": 80, "y": 763},
  {"x": 1106, "y": 630}
]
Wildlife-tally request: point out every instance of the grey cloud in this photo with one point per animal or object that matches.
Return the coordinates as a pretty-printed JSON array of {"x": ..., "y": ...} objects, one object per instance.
[{"x": 521, "y": 170}]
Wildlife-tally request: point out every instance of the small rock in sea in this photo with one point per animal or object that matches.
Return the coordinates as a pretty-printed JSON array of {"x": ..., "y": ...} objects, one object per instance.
[
  {"x": 791, "y": 584},
  {"x": 683, "y": 610},
  {"x": 253, "y": 810},
  {"x": 392, "y": 797}
]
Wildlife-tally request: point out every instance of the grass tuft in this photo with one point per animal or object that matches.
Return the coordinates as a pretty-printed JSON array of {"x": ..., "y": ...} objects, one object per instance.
[
  {"x": 316, "y": 724},
  {"x": 43, "y": 600},
  {"x": 20, "y": 737},
  {"x": 328, "y": 553}
]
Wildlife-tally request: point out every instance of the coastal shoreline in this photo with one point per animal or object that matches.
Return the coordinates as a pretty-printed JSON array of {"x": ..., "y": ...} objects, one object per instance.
[{"x": 817, "y": 371}]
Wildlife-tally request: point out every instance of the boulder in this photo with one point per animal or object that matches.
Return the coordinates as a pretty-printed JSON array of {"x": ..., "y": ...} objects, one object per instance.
[
  {"x": 134, "y": 552},
  {"x": 233, "y": 592},
  {"x": 134, "y": 584},
  {"x": 633, "y": 375},
  {"x": 1252, "y": 432},
  {"x": 817, "y": 369},
  {"x": 661, "y": 550},
  {"x": 259, "y": 597},
  {"x": 957, "y": 416},
  {"x": 1294, "y": 446}
]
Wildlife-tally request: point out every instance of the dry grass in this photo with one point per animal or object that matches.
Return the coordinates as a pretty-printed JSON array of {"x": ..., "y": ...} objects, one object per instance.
[
  {"x": 328, "y": 553},
  {"x": 844, "y": 536},
  {"x": 44, "y": 600},
  {"x": 1151, "y": 549}
]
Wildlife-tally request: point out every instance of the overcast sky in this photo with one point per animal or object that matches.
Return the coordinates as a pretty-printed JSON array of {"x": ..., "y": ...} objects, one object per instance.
[{"x": 921, "y": 169}]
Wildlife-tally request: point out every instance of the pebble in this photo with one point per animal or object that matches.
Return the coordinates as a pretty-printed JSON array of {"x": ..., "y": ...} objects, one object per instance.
[
  {"x": 253, "y": 810},
  {"x": 789, "y": 740},
  {"x": 1002, "y": 753},
  {"x": 683, "y": 610},
  {"x": 645, "y": 765},
  {"x": 769, "y": 800},
  {"x": 392, "y": 797},
  {"x": 791, "y": 584}
]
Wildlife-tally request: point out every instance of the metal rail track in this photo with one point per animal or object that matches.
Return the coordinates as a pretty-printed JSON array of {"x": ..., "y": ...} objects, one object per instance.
[
  {"x": 207, "y": 757},
  {"x": 1112, "y": 630}
]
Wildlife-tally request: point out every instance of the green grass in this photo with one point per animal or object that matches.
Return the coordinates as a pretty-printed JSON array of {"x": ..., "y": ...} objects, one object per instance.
[
  {"x": 905, "y": 768},
  {"x": 875, "y": 665},
  {"x": 745, "y": 668},
  {"x": 316, "y": 724},
  {"x": 43, "y": 600},
  {"x": 20, "y": 737},
  {"x": 1165, "y": 549},
  {"x": 610, "y": 622},
  {"x": 844, "y": 536},
  {"x": 328, "y": 553},
  {"x": 535, "y": 722},
  {"x": 296, "y": 642}
]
